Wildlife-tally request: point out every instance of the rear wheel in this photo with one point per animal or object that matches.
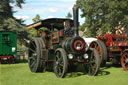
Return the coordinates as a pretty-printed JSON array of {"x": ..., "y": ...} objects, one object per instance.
[
  {"x": 36, "y": 55},
  {"x": 104, "y": 60},
  {"x": 93, "y": 65},
  {"x": 60, "y": 63},
  {"x": 102, "y": 50},
  {"x": 124, "y": 61}
]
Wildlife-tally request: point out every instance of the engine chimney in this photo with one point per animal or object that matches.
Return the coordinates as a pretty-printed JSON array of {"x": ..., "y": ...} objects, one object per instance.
[{"x": 75, "y": 18}]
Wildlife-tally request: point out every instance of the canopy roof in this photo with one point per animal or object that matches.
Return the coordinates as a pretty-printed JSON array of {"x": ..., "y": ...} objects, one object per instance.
[{"x": 50, "y": 23}]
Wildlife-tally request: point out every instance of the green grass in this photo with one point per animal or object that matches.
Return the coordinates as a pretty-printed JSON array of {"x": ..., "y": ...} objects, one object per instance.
[{"x": 19, "y": 74}]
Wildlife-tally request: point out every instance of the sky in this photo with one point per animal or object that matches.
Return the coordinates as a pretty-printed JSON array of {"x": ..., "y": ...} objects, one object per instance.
[{"x": 45, "y": 8}]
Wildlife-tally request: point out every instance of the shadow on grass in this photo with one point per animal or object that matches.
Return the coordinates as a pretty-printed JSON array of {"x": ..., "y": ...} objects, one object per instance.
[
  {"x": 109, "y": 65},
  {"x": 102, "y": 71},
  {"x": 74, "y": 74},
  {"x": 80, "y": 71},
  {"x": 77, "y": 74},
  {"x": 14, "y": 62}
]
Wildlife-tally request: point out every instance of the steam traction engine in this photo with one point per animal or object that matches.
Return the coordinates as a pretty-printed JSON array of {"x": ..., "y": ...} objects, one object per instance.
[
  {"x": 113, "y": 47},
  {"x": 60, "y": 47}
]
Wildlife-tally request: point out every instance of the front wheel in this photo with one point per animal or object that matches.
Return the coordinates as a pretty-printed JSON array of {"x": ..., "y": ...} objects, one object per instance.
[
  {"x": 60, "y": 63},
  {"x": 93, "y": 65}
]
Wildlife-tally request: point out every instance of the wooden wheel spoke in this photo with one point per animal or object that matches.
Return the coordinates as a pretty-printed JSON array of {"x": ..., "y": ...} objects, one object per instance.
[
  {"x": 56, "y": 58},
  {"x": 92, "y": 56},
  {"x": 92, "y": 68},
  {"x": 31, "y": 58},
  {"x": 124, "y": 57},
  {"x": 93, "y": 61},
  {"x": 61, "y": 59},
  {"x": 98, "y": 48},
  {"x": 95, "y": 45},
  {"x": 33, "y": 64},
  {"x": 58, "y": 55},
  {"x": 61, "y": 64},
  {"x": 58, "y": 70}
]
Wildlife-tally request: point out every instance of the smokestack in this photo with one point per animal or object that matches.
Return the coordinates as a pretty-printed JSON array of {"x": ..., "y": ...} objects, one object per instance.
[{"x": 75, "y": 18}]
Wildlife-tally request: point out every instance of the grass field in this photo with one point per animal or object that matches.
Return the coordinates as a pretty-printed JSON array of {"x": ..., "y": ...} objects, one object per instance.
[{"x": 19, "y": 74}]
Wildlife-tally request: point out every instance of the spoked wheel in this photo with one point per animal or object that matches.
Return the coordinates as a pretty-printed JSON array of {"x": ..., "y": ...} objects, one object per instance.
[
  {"x": 60, "y": 63},
  {"x": 36, "y": 55},
  {"x": 124, "y": 61},
  {"x": 93, "y": 62},
  {"x": 102, "y": 50},
  {"x": 104, "y": 60}
]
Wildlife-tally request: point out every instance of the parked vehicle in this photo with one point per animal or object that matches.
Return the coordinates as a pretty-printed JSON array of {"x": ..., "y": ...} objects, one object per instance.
[
  {"x": 8, "y": 46},
  {"x": 60, "y": 44},
  {"x": 113, "y": 47}
]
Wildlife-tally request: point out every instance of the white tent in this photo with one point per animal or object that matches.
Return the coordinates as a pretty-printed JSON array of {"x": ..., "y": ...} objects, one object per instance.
[{"x": 89, "y": 40}]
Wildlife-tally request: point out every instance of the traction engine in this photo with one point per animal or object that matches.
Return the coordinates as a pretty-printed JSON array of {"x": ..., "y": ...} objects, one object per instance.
[
  {"x": 60, "y": 47},
  {"x": 113, "y": 47}
]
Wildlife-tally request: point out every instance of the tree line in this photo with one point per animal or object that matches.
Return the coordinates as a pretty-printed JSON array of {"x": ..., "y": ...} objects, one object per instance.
[{"x": 103, "y": 15}]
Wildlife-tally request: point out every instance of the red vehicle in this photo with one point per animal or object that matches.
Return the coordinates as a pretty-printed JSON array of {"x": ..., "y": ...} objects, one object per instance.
[{"x": 113, "y": 47}]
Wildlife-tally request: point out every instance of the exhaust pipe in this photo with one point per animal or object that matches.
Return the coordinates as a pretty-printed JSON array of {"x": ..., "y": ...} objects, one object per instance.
[{"x": 75, "y": 18}]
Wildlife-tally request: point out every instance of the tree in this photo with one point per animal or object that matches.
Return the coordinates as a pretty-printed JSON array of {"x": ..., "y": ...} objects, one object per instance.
[
  {"x": 36, "y": 19},
  {"x": 33, "y": 31},
  {"x": 7, "y": 20},
  {"x": 104, "y": 15},
  {"x": 69, "y": 15}
]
